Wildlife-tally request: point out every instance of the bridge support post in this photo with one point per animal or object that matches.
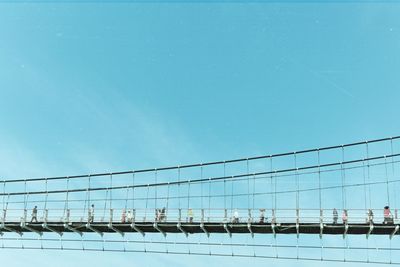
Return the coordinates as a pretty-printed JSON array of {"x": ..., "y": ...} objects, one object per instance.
[
  {"x": 297, "y": 222},
  {"x": 67, "y": 220},
  {"x": 72, "y": 229},
  {"x": 249, "y": 224},
  {"x": 225, "y": 215},
  {"x": 3, "y": 226},
  {"x": 250, "y": 230},
  {"x": 346, "y": 228},
  {"x": 25, "y": 226},
  {"x": 250, "y": 220},
  {"x": 133, "y": 224},
  {"x": 3, "y": 220},
  {"x": 155, "y": 225},
  {"x": 179, "y": 225},
  {"x": 396, "y": 229},
  {"x": 273, "y": 223},
  {"x": 227, "y": 229},
  {"x": 91, "y": 228},
  {"x": 202, "y": 224},
  {"x": 134, "y": 227},
  {"x": 371, "y": 228},
  {"x": 45, "y": 226},
  {"x": 226, "y": 222},
  {"x": 24, "y": 218},
  {"x": 110, "y": 224},
  {"x": 321, "y": 223}
]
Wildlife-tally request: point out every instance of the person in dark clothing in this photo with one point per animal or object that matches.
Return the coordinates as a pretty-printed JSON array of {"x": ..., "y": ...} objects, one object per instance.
[
  {"x": 34, "y": 214},
  {"x": 91, "y": 214},
  {"x": 370, "y": 218},
  {"x": 335, "y": 216},
  {"x": 262, "y": 215}
]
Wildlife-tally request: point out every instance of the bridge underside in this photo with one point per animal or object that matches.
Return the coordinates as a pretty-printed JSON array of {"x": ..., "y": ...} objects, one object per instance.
[{"x": 193, "y": 228}]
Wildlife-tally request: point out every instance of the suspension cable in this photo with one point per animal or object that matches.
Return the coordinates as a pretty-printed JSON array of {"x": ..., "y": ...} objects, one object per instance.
[
  {"x": 179, "y": 187},
  {"x": 319, "y": 181},
  {"x": 320, "y": 203},
  {"x": 275, "y": 172},
  {"x": 207, "y": 254},
  {"x": 204, "y": 164},
  {"x": 272, "y": 193},
  {"x": 387, "y": 183},
  {"x": 248, "y": 183},
  {"x": 155, "y": 190},
  {"x": 368, "y": 176},
  {"x": 224, "y": 166},
  {"x": 236, "y": 244},
  {"x": 344, "y": 202},
  {"x": 66, "y": 206},
  {"x": 111, "y": 186},
  {"x": 393, "y": 176},
  {"x": 133, "y": 192}
]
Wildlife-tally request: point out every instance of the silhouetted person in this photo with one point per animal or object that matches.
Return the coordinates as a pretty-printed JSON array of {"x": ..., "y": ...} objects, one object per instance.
[
  {"x": 91, "y": 214},
  {"x": 335, "y": 216},
  {"x": 262, "y": 215},
  {"x": 158, "y": 215},
  {"x": 370, "y": 216},
  {"x": 387, "y": 216},
  {"x": 34, "y": 214},
  {"x": 190, "y": 215},
  {"x": 344, "y": 217}
]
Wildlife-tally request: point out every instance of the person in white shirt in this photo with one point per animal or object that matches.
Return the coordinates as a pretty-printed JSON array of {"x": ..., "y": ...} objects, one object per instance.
[
  {"x": 129, "y": 216},
  {"x": 235, "y": 216},
  {"x": 91, "y": 214}
]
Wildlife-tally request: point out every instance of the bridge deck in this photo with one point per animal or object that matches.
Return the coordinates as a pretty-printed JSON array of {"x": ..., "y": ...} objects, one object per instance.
[{"x": 195, "y": 227}]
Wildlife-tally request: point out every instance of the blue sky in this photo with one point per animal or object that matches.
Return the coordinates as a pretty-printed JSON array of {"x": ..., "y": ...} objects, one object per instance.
[{"x": 106, "y": 87}]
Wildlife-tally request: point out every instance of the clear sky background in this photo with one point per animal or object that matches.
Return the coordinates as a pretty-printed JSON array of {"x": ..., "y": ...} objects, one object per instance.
[{"x": 113, "y": 86}]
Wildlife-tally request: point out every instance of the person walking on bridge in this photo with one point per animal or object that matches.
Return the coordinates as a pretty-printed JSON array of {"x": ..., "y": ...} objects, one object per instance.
[
  {"x": 335, "y": 216},
  {"x": 34, "y": 214},
  {"x": 91, "y": 214},
  {"x": 344, "y": 217},
  {"x": 235, "y": 216},
  {"x": 387, "y": 215},
  {"x": 123, "y": 216},
  {"x": 190, "y": 215},
  {"x": 370, "y": 216},
  {"x": 262, "y": 215},
  {"x": 129, "y": 217}
]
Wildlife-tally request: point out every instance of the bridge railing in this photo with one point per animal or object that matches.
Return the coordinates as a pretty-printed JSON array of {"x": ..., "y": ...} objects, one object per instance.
[{"x": 326, "y": 216}]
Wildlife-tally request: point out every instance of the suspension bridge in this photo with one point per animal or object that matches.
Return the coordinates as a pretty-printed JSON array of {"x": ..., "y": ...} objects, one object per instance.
[{"x": 342, "y": 200}]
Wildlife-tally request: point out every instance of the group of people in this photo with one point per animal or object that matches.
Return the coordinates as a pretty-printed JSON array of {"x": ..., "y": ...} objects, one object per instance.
[
  {"x": 162, "y": 217},
  {"x": 387, "y": 216},
  {"x": 128, "y": 216},
  {"x": 236, "y": 217}
]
